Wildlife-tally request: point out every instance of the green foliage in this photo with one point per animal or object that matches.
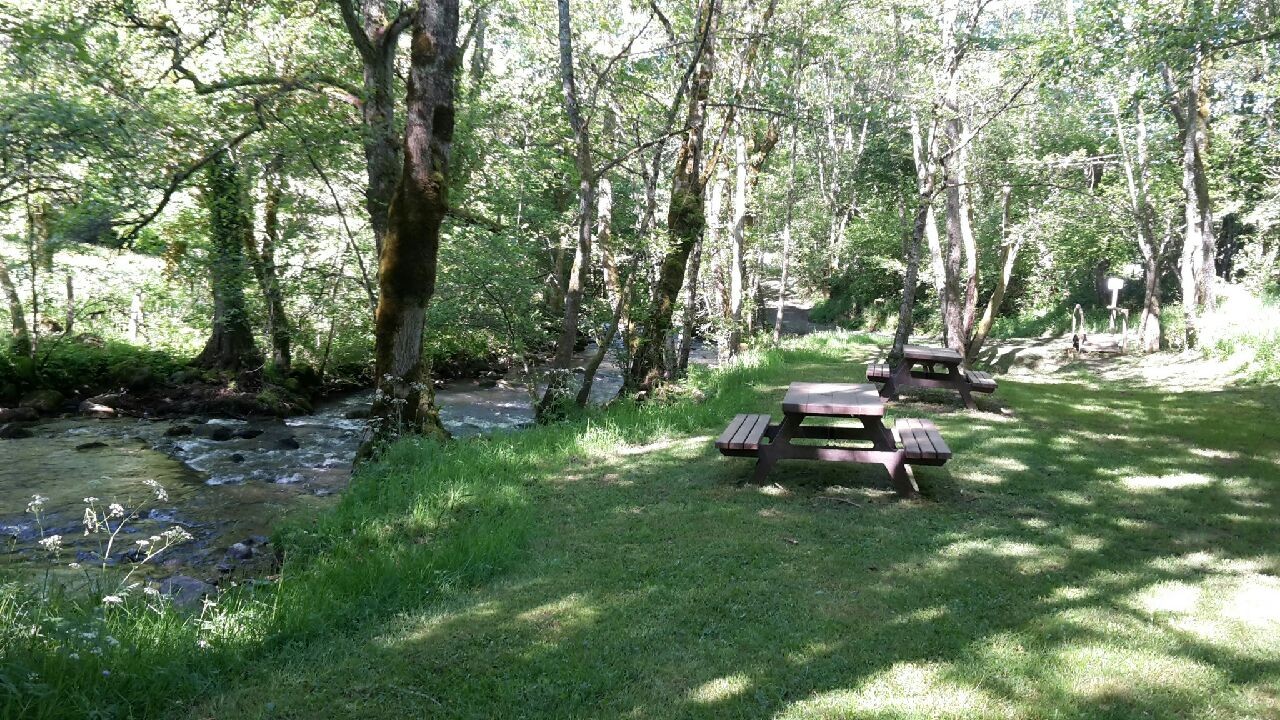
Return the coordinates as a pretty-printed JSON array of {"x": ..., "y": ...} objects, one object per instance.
[{"x": 85, "y": 365}]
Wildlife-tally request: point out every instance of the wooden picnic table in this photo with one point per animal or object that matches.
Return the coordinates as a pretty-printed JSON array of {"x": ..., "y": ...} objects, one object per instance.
[
  {"x": 911, "y": 442},
  {"x": 919, "y": 367}
]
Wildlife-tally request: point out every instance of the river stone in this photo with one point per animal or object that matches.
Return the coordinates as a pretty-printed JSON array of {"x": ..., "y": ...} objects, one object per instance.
[
  {"x": 18, "y": 414},
  {"x": 360, "y": 413},
  {"x": 248, "y": 433},
  {"x": 178, "y": 431},
  {"x": 239, "y": 551},
  {"x": 42, "y": 401},
  {"x": 92, "y": 409},
  {"x": 220, "y": 433},
  {"x": 91, "y": 445},
  {"x": 236, "y": 458},
  {"x": 185, "y": 591},
  {"x": 290, "y": 443},
  {"x": 13, "y": 431}
]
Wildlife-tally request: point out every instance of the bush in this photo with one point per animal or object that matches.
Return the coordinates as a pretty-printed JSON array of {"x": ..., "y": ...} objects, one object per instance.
[{"x": 83, "y": 365}]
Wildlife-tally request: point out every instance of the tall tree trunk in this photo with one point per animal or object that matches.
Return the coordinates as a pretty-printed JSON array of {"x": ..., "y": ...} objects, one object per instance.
[
  {"x": 685, "y": 220},
  {"x": 1134, "y": 161},
  {"x": 786, "y": 238},
  {"x": 376, "y": 38},
  {"x": 230, "y": 346},
  {"x": 135, "y": 316},
  {"x": 737, "y": 249},
  {"x": 922, "y": 149},
  {"x": 1009, "y": 247},
  {"x": 690, "y": 308},
  {"x": 20, "y": 338},
  {"x": 264, "y": 266},
  {"x": 404, "y": 401},
  {"x": 558, "y": 378},
  {"x": 1190, "y": 109}
]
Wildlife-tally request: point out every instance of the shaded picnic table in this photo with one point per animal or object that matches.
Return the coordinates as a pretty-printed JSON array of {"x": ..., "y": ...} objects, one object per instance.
[
  {"x": 909, "y": 442},
  {"x": 919, "y": 368}
]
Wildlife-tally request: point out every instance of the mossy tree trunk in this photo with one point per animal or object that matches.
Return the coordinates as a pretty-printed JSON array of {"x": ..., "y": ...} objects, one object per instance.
[
  {"x": 20, "y": 338},
  {"x": 404, "y": 401},
  {"x": 231, "y": 346},
  {"x": 264, "y": 266},
  {"x": 685, "y": 218}
]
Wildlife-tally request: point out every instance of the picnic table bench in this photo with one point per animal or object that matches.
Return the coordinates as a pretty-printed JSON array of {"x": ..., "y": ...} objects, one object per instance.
[
  {"x": 909, "y": 442},
  {"x": 919, "y": 367}
]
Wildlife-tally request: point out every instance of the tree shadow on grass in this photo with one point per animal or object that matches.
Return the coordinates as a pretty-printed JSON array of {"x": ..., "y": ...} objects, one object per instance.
[{"x": 1094, "y": 557}]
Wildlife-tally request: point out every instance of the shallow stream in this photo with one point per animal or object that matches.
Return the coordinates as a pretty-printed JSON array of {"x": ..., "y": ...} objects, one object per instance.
[{"x": 227, "y": 480}]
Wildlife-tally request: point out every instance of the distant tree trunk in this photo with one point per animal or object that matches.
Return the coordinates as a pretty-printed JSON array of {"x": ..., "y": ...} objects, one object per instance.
[
  {"x": 737, "y": 249},
  {"x": 786, "y": 238},
  {"x": 922, "y": 154},
  {"x": 1134, "y": 161},
  {"x": 264, "y": 266},
  {"x": 135, "y": 316},
  {"x": 20, "y": 338},
  {"x": 1009, "y": 247},
  {"x": 71, "y": 306},
  {"x": 404, "y": 401},
  {"x": 558, "y": 378},
  {"x": 911, "y": 279},
  {"x": 593, "y": 365},
  {"x": 230, "y": 346},
  {"x": 685, "y": 219}
]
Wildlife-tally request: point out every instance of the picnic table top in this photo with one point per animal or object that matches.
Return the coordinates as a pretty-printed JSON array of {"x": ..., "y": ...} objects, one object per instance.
[
  {"x": 835, "y": 399},
  {"x": 931, "y": 354}
]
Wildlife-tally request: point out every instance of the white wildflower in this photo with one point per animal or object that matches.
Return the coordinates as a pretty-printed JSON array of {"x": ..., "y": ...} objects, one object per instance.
[
  {"x": 151, "y": 591},
  {"x": 91, "y": 523},
  {"x": 202, "y": 644},
  {"x": 53, "y": 543},
  {"x": 112, "y": 600},
  {"x": 37, "y": 502},
  {"x": 90, "y": 635},
  {"x": 143, "y": 543},
  {"x": 90, "y": 500},
  {"x": 161, "y": 493},
  {"x": 112, "y": 641},
  {"x": 74, "y": 565},
  {"x": 175, "y": 535},
  {"x": 115, "y": 510},
  {"x": 74, "y": 655}
]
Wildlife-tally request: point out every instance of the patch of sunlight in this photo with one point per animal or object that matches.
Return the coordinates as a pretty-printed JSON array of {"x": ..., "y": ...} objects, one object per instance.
[
  {"x": 1215, "y": 454},
  {"x": 426, "y": 626},
  {"x": 1167, "y": 597},
  {"x": 1125, "y": 523},
  {"x": 1035, "y": 523},
  {"x": 720, "y": 689},
  {"x": 922, "y": 615},
  {"x": 1006, "y": 463},
  {"x": 1112, "y": 671},
  {"x": 906, "y": 689},
  {"x": 1071, "y": 593},
  {"x": 698, "y": 443},
  {"x": 774, "y": 490},
  {"x": 1255, "y": 602},
  {"x": 570, "y": 609},
  {"x": 1167, "y": 482},
  {"x": 1206, "y": 629},
  {"x": 1029, "y": 558},
  {"x": 1071, "y": 497},
  {"x": 811, "y": 652},
  {"x": 769, "y": 512},
  {"x": 1085, "y": 543}
]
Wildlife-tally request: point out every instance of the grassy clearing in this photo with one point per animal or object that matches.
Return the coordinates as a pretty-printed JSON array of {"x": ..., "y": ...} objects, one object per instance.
[{"x": 1093, "y": 551}]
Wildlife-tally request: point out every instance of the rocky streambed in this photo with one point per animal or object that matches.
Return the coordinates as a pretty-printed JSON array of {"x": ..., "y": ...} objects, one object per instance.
[{"x": 228, "y": 481}]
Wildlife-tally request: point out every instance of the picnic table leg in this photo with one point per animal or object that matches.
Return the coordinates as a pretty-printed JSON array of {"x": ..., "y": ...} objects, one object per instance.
[
  {"x": 961, "y": 383},
  {"x": 904, "y": 480},
  {"x": 770, "y": 454}
]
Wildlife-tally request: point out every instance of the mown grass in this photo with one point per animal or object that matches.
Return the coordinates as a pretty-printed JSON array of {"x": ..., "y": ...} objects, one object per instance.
[{"x": 1092, "y": 551}]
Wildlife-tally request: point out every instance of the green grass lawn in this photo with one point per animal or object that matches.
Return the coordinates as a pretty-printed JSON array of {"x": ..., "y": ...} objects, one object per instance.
[{"x": 1091, "y": 551}]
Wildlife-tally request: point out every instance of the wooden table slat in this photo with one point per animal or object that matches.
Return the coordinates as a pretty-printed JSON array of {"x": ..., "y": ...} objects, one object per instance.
[
  {"x": 833, "y": 399},
  {"x": 727, "y": 436}
]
